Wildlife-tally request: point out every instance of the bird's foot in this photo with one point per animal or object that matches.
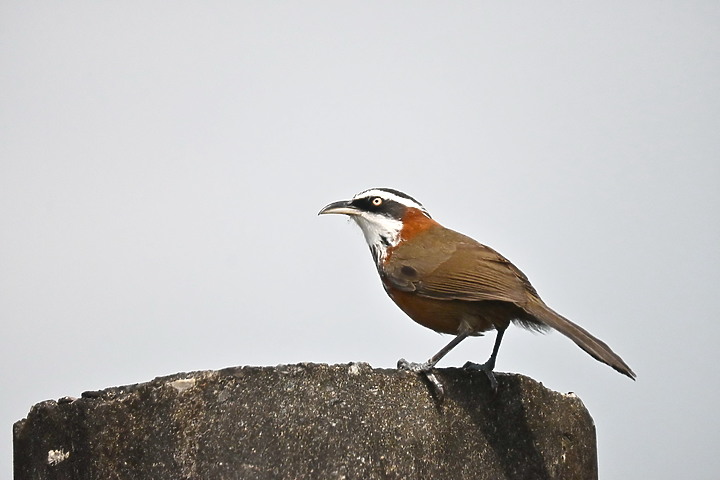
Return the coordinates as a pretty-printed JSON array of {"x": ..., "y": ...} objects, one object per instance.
[
  {"x": 425, "y": 369},
  {"x": 403, "y": 364},
  {"x": 488, "y": 369}
]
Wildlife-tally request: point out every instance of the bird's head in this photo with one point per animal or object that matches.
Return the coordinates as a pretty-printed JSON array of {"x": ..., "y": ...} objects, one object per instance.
[{"x": 384, "y": 215}]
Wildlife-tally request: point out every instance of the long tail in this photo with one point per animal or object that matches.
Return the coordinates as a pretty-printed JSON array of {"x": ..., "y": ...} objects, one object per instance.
[{"x": 594, "y": 346}]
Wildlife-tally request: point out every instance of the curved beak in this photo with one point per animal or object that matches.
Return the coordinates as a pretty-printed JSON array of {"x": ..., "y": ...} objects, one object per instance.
[{"x": 342, "y": 206}]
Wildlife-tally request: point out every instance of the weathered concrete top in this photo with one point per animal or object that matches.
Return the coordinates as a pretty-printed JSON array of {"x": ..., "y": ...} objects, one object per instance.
[{"x": 310, "y": 421}]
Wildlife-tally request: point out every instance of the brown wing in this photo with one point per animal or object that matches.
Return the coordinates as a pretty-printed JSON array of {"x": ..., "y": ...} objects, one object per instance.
[{"x": 446, "y": 265}]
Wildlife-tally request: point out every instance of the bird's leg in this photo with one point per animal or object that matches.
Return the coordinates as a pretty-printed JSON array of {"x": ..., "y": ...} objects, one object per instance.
[
  {"x": 426, "y": 367},
  {"x": 489, "y": 366}
]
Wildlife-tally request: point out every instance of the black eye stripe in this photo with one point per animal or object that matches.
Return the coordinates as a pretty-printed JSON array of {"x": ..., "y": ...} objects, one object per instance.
[
  {"x": 387, "y": 207},
  {"x": 385, "y": 196}
]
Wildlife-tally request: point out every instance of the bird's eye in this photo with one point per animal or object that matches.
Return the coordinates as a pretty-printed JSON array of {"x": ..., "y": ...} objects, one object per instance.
[{"x": 377, "y": 201}]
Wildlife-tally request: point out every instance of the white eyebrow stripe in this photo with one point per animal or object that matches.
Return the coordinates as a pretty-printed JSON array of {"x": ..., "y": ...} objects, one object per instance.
[{"x": 374, "y": 192}]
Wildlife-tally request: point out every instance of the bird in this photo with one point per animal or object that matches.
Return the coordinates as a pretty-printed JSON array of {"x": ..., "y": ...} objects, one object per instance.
[{"x": 452, "y": 284}]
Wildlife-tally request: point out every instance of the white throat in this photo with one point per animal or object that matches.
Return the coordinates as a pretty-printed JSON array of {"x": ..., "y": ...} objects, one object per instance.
[{"x": 381, "y": 232}]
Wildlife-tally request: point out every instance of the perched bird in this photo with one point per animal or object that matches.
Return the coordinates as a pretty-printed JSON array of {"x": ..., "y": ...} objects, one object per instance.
[{"x": 452, "y": 284}]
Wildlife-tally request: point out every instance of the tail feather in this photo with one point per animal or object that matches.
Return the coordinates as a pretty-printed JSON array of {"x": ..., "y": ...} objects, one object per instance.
[{"x": 598, "y": 349}]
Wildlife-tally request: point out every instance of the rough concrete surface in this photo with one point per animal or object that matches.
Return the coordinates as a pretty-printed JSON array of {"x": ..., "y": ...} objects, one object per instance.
[{"x": 310, "y": 421}]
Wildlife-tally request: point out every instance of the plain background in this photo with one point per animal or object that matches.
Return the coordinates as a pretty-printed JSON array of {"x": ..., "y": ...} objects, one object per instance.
[{"x": 162, "y": 165}]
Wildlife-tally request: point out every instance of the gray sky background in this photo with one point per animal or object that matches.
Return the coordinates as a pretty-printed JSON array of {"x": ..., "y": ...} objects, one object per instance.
[{"x": 162, "y": 165}]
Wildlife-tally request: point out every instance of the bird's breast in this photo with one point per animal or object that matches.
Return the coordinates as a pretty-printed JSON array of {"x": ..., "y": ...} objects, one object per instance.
[{"x": 445, "y": 316}]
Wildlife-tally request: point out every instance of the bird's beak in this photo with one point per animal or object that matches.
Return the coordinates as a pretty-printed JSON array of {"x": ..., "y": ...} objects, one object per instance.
[{"x": 342, "y": 206}]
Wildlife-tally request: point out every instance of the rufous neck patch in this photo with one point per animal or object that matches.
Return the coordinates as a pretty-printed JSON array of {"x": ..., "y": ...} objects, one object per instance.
[{"x": 415, "y": 222}]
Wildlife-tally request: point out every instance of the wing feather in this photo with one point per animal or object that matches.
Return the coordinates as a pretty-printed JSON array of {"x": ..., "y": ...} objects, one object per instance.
[{"x": 446, "y": 265}]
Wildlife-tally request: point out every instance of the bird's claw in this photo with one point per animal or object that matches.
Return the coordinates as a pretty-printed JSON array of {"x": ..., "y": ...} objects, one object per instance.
[
  {"x": 425, "y": 369},
  {"x": 488, "y": 369},
  {"x": 439, "y": 388},
  {"x": 403, "y": 364}
]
